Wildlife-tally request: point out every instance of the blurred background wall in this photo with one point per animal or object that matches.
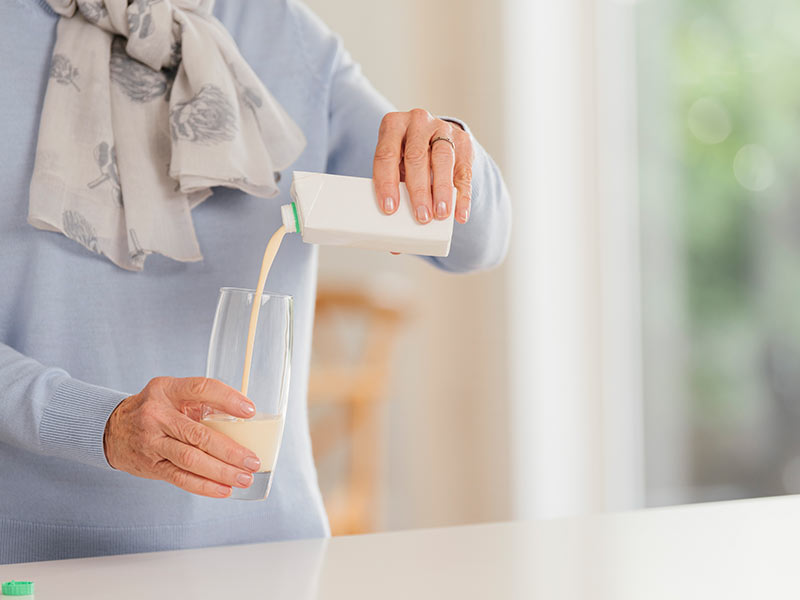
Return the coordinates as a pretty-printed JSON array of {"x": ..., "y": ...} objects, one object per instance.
[
  {"x": 445, "y": 447},
  {"x": 640, "y": 346}
]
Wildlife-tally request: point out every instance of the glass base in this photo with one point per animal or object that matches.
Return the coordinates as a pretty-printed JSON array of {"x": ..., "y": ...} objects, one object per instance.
[{"x": 258, "y": 490}]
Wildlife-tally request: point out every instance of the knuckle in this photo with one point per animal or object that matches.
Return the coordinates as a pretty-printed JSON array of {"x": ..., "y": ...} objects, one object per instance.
[
  {"x": 198, "y": 386},
  {"x": 157, "y": 383},
  {"x": 443, "y": 190},
  {"x": 420, "y": 114},
  {"x": 416, "y": 155},
  {"x": 463, "y": 142},
  {"x": 233, "y": 454},
  {"x": 188, "y": 457},
  {"x": 390, "y": 121},
  {"x": 442, "y": 164},
  {"x": 180, "y": 478},
  {"x": 196, "y": 435},
  {"x": 468, "y": 148},
  {"x": 387, "y": 152},
  {"x": 445, "y": 128},
  {"x": 419, "y": 191},
  {"x": 463, "y": 175},
  {"x": 442, "y": 152}
]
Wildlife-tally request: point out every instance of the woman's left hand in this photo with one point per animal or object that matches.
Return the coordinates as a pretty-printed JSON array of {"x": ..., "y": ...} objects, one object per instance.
[{"x": 431, "y": 156}]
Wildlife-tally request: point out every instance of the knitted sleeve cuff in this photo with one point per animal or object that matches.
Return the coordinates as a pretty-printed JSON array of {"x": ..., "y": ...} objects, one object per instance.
[{"x": 75, "y": 419}]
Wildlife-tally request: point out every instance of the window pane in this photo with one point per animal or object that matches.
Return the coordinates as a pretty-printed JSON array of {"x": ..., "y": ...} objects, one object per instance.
[{"x": 719, "y": 97}]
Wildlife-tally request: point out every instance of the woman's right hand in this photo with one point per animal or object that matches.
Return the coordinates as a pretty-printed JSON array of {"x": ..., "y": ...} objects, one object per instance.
[{"x": 156, "y": 434}]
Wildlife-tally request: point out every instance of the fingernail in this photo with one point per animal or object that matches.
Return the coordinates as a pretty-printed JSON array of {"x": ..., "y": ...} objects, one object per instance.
[
  {"x": 244, "y": 479},
  {"x": 463, "y": 214},
  {"x": 441, "y": 210},
  {"x": 388, "y": 205},
  {"x": 423, "y": 214},
  {"x": 248, "y": 408},
  {"x": 252, "y": 463},
  {"x": 223, "y": 490}
]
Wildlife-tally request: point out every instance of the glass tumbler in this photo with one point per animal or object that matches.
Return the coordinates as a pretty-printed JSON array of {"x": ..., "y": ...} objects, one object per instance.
[{"x": 269, "y": 376}]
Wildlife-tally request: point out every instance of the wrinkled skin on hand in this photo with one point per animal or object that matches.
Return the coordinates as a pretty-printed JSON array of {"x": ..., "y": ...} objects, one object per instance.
[
  {"x": 156, "y": 434},
  {"x": 411, "y": 149}
]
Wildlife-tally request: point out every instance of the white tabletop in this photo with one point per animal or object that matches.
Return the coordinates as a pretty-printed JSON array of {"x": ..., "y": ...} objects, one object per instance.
[{"x": 746, "y": 549}]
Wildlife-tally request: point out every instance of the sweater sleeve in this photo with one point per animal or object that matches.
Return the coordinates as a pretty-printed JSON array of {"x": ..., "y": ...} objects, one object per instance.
[
  {"x": 44, "y": 410},
  {"x": 355, "y": 113}
]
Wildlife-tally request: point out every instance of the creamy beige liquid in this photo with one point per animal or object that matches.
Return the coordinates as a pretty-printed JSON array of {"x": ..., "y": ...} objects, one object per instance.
[
  {"x": 261, "y": 434},
  {"x": 269, "y": 256}
]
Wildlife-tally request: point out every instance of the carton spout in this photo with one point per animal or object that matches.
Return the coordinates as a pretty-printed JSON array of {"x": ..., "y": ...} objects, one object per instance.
[{"x": 290, "y": 218}]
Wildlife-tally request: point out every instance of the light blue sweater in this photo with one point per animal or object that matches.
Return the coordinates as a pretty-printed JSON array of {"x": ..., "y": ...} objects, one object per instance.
[{"x": 78, "y": 334}]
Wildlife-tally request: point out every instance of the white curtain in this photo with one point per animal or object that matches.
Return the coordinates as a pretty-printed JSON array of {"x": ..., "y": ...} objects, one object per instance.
[{"x": 574, "y": 272}]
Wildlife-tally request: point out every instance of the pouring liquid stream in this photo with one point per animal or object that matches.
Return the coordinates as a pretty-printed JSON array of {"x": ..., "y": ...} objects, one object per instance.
[{"x": 269, "y": 256}]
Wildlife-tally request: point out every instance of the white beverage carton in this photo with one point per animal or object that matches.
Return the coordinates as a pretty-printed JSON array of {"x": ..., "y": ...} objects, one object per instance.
[{"x": 344, "y": 211}]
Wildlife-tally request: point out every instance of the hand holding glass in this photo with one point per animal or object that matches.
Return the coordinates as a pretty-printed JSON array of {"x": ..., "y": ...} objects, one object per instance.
[{"x": 269, "y": 376}]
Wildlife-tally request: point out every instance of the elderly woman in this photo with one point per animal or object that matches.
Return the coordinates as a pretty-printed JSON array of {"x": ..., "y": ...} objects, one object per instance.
[{"x": 118, "y": 120}]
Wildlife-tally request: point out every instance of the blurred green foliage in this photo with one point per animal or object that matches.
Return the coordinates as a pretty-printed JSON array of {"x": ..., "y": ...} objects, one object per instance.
[
  {"x": 733, "y": 70},
  {"x": 743, "y": 55}
]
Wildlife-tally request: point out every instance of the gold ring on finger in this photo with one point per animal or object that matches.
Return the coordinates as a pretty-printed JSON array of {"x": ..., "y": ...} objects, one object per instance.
[{"x": 441, "y": 138}]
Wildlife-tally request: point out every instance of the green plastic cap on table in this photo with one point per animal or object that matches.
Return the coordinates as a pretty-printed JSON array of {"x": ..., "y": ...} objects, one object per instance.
[{"x": 17, "y": 588}]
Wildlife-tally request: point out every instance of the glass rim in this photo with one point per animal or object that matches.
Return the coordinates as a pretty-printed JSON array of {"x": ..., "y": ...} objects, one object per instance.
[{"x": 249, "y": 291}]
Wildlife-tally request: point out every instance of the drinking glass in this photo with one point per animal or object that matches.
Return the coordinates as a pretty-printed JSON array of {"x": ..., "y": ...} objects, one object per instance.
[{"x": 269, "y": 376}]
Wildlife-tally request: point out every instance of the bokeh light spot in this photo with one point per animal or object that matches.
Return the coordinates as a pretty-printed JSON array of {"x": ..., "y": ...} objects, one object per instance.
[
  {"x": 754, "y": 168},
  {"x": 709, "y": 121}
]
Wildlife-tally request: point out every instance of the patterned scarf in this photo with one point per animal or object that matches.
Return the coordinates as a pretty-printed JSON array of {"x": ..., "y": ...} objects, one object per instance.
[{"x": 149, "y": 105}]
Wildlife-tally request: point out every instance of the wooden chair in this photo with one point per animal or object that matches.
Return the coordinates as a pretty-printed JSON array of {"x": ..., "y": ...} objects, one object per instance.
[{"x": 354, "y": 336}]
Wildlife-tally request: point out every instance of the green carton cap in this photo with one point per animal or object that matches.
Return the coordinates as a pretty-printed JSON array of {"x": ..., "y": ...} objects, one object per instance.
[{"x": 18, "y": 588}]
